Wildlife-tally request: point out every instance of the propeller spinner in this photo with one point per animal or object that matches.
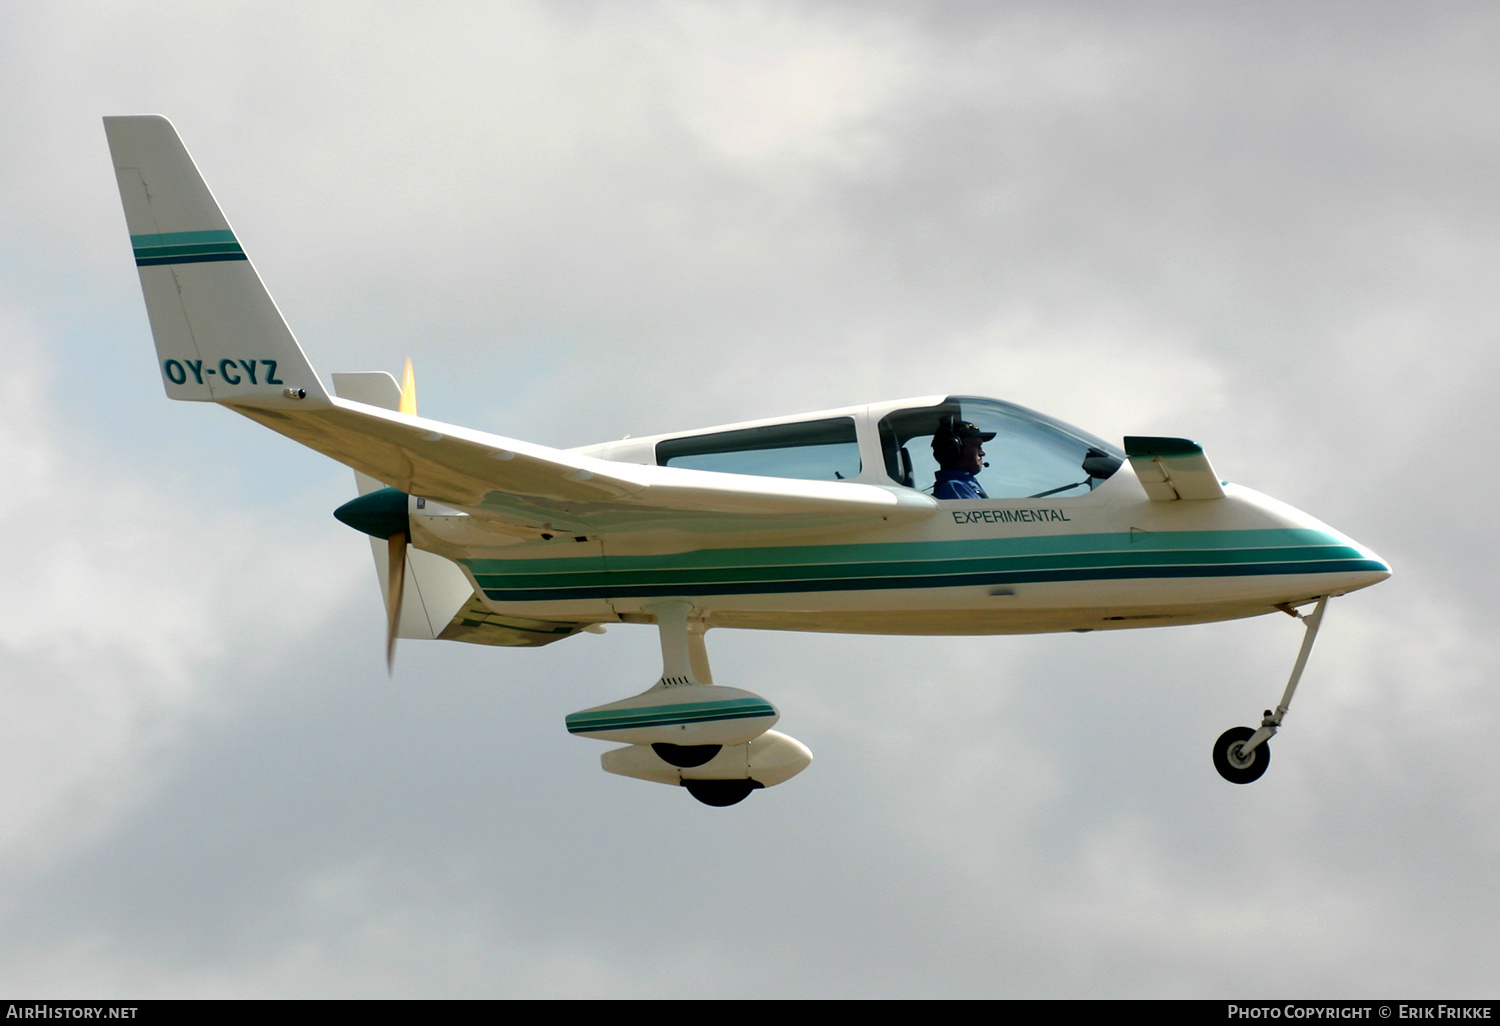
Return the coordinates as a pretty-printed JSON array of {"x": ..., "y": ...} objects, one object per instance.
[{"x": 382, "y": 514}]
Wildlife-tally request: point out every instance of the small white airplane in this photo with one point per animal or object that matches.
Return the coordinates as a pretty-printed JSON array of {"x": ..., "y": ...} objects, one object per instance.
[{"x": 877, "y": 519}]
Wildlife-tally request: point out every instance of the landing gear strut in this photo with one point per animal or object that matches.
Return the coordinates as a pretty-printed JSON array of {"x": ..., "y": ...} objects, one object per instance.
[{"x": 1241, "y": 755}]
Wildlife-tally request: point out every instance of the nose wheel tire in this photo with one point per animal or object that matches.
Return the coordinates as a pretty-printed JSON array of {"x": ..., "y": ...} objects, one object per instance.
[{"x": 1234, "y": 766}]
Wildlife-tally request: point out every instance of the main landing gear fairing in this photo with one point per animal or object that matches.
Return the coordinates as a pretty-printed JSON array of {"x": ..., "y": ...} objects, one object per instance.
[{"x": 711, "y": 740}]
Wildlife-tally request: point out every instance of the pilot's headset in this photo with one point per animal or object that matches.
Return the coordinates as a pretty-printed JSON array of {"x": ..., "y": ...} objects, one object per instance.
[{"x": 946, "y": 445}]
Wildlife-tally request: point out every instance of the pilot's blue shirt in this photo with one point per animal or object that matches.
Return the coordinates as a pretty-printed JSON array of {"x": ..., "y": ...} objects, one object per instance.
[{"x": 957, "y": 484}]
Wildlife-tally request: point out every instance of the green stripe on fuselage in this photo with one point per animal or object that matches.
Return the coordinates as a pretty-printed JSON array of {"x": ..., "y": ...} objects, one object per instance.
[
  {"x": 924, "y": 567},
  {"x": 922, "y": 564}
]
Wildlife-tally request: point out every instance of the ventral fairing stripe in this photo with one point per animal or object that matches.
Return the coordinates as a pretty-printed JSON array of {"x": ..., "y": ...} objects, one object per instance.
[
  {"x": 669, "y": 715},
  {"x": 185, "y": 248}
]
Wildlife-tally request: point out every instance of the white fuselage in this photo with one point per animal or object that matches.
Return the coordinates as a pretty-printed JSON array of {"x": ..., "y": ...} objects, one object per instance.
[{"x": 1110, "y": 558}]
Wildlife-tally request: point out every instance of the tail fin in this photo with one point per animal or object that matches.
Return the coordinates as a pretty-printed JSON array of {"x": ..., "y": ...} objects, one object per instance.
[{"x": 219, "y": 336}]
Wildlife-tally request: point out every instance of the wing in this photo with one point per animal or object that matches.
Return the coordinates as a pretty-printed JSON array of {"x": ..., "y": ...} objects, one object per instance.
[
  {"x": 534, "y": 486},
  {"x": 1173, "y": 468}
]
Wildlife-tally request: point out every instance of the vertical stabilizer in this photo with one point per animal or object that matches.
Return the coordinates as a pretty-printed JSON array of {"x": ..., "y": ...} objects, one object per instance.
[{"x": 219, "y": 336}]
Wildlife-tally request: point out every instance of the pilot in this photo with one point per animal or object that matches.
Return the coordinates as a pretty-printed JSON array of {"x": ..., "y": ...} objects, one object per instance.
[{"x": 958, "y": 448}]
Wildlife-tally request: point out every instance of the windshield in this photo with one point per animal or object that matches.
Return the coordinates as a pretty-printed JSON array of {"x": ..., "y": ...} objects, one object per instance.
[{"x": 1025, "y": 454}]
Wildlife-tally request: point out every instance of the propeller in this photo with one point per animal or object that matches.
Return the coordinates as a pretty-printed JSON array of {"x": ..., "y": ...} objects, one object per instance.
[
  {"x": 396, "y": 544},
  {"x": 383, "y": 514}
]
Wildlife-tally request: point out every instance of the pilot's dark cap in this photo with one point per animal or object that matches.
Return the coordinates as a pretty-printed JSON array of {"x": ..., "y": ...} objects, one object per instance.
[{"x": 964, "y": 429}]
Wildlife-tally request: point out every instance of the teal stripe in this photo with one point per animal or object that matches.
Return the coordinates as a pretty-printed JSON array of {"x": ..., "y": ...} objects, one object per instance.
[
  {"x": 843, "y": 560},
  {"x": 185, "y": 247},
  {"x": 1147, "y": 447},
  {"x": 904, "y": 583},
  {"x": 905, "y": 552},
  {"x": 181, "y": 238},
  {"x": 925, "y": 567},
  {"x": 669, "y": 715},
  {"x": 193, "y": 250},
  {"x": 924, "y": 564}
]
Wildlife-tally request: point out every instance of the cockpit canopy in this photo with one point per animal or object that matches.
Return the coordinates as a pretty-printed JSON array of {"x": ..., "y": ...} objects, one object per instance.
[{"x": 1031, "y": 455}]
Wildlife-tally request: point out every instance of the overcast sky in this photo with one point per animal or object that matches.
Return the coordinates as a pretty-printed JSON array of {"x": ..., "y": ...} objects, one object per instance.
[{"x": 1273, "y": 228}]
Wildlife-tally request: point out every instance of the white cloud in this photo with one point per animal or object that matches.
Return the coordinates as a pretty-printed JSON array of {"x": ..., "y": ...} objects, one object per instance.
[
  {"x": 758, "y": 83},
  {"x": 121, "y": 600}
]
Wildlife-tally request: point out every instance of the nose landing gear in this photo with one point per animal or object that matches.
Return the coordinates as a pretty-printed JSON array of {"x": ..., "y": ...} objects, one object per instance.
[
  {"x": 1241, "y": 755},
  {"x": 1234, "y": 763}
]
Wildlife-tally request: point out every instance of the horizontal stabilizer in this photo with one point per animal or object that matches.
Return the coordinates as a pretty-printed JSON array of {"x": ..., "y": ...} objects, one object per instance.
[{"x": 1173, "y": 468}]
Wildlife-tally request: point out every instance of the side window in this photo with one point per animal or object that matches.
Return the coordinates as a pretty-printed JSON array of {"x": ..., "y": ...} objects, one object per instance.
[
  {"x": 1030, "y": 456},
  {"x": 818, "y": 450},
  {"x": 906, "y": 443}
]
